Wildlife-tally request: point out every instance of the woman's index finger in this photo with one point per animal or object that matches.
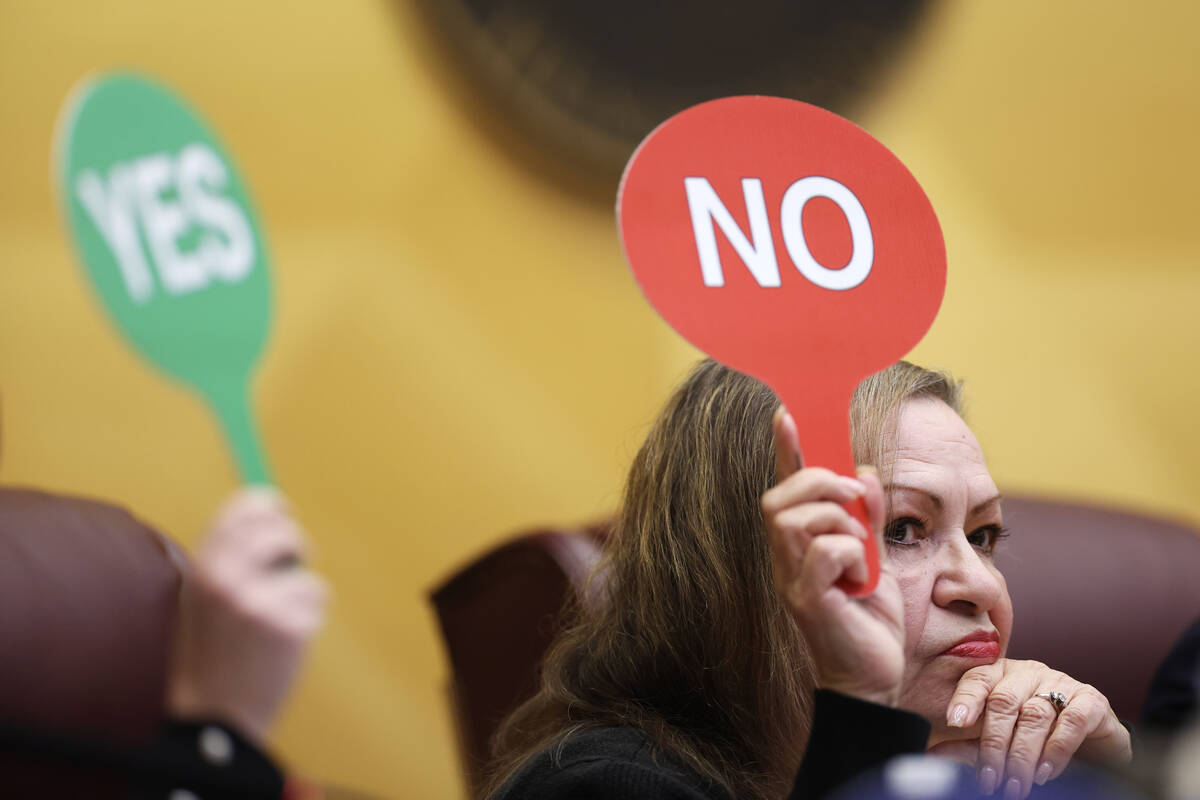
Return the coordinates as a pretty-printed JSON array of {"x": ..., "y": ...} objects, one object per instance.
[{"x": 971, "y": 694}]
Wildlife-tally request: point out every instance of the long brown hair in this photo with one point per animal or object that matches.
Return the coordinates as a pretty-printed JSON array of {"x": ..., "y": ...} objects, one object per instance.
[{"x": 683, "y": 634}]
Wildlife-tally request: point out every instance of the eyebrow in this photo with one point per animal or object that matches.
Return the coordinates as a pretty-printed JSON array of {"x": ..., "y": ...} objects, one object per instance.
[{"x": 937, "y": 500}]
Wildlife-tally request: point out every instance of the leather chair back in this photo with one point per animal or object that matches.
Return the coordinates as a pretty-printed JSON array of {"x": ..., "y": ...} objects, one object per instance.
[
  {"x": 498, "y": 615},
  {"x": 88, "y": 598},
  {"x": 1097, "y": 593}
]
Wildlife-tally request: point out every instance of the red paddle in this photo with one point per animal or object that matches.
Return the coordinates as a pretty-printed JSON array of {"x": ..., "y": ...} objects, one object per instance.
[{"x": 787, "y": 243}]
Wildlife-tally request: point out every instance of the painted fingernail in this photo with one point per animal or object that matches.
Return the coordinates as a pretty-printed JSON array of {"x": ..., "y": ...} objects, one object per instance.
[
  {"x": 1043, "y": 774},
  {"x": 958, "y": 715},
  {"x": 987, "y": 780},
  {"x": 1012, "y": 789}
]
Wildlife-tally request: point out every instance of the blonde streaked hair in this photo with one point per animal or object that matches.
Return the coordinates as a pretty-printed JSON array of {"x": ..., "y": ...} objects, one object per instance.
[{"x": 875, "y": 406}]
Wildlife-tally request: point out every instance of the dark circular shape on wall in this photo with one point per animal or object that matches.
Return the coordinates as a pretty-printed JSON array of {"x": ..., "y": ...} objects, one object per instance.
[{"x": 595, "y": 78}]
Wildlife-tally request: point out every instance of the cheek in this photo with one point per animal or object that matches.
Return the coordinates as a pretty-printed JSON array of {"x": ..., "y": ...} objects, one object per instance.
[
  {"x": 924, "y": 689},
  {"x": 916, "y": 588},
  {"x": 1002, "y": 614}
]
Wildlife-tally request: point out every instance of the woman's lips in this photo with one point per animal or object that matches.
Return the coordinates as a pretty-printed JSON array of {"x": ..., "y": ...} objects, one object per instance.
[
  {"x": 989, "y": 651},
  {"x": 983, "y": 646}
]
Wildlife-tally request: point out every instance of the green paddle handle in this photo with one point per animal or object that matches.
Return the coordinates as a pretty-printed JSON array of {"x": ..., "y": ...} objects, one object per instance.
[{"x": 231, "y": 404}]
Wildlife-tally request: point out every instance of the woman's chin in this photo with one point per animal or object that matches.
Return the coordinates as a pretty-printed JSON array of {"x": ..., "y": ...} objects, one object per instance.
[{"x": 928, "y": 693}]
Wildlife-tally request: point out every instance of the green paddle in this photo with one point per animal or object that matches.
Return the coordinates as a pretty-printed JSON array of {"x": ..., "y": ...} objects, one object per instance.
[{"x": 165, "y": 230}]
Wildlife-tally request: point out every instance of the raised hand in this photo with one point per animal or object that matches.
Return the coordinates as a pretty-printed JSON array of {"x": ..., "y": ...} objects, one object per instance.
[
  {"x": 248, "y": 608},
  {"x": 857, "y": 643}
]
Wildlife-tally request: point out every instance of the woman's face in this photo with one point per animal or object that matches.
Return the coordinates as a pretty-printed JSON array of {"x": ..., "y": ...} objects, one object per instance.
[{"x": 943, "y": 525}]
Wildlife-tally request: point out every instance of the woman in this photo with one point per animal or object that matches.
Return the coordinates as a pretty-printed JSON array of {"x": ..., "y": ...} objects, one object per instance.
[{"x": 716, "y": 614}]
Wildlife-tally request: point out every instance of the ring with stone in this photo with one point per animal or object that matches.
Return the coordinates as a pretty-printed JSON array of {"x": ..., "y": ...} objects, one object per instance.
[{"x": 1057, "y": 699}]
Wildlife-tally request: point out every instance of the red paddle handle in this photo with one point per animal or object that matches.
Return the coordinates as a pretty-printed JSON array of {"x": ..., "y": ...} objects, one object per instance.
[
  {"x": 858, "y": 509},
  {"x": 821, "y": 410}
]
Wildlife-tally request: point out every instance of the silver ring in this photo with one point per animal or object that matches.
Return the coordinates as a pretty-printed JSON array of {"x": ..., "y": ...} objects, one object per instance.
[{"x": 1057, "y": 699}]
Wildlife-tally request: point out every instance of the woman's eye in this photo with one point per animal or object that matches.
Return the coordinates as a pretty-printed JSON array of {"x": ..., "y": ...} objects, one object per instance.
[
  {"x": 987, "y": 537},
  {"x": 902, "y": 531}
]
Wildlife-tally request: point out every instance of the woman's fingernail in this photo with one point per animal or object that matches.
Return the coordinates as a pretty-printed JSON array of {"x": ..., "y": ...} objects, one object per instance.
[
  {"x": 1043, "y": 774},
  {"x": 958, "y": 715},
  {"x": 987, "y": 780},
  {"x": 1012, "y": 789},
  {"x": 854, "y": 486}
]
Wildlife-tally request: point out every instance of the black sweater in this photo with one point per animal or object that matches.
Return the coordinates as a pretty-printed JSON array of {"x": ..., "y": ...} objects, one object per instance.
[{"x": 848, "y": 737}]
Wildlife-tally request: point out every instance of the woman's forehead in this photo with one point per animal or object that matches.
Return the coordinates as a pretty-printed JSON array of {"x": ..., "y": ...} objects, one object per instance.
[
  {"x": 934, "y": 445},
  {"x": 928, "y": 423}
]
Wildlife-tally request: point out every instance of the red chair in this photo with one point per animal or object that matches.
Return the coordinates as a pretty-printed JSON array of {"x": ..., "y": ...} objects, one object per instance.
[
  {"x": 1099, "y": 594},
  {"x": 87, "y": 599},
  {"x": 498, "y": 615}
]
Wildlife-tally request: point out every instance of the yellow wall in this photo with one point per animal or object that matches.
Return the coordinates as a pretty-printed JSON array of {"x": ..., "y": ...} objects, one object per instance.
[{"x": 459, "y": 351}]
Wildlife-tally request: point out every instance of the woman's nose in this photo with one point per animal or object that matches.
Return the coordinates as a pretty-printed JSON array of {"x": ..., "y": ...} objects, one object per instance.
[{"x": 965, "y": 578}]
